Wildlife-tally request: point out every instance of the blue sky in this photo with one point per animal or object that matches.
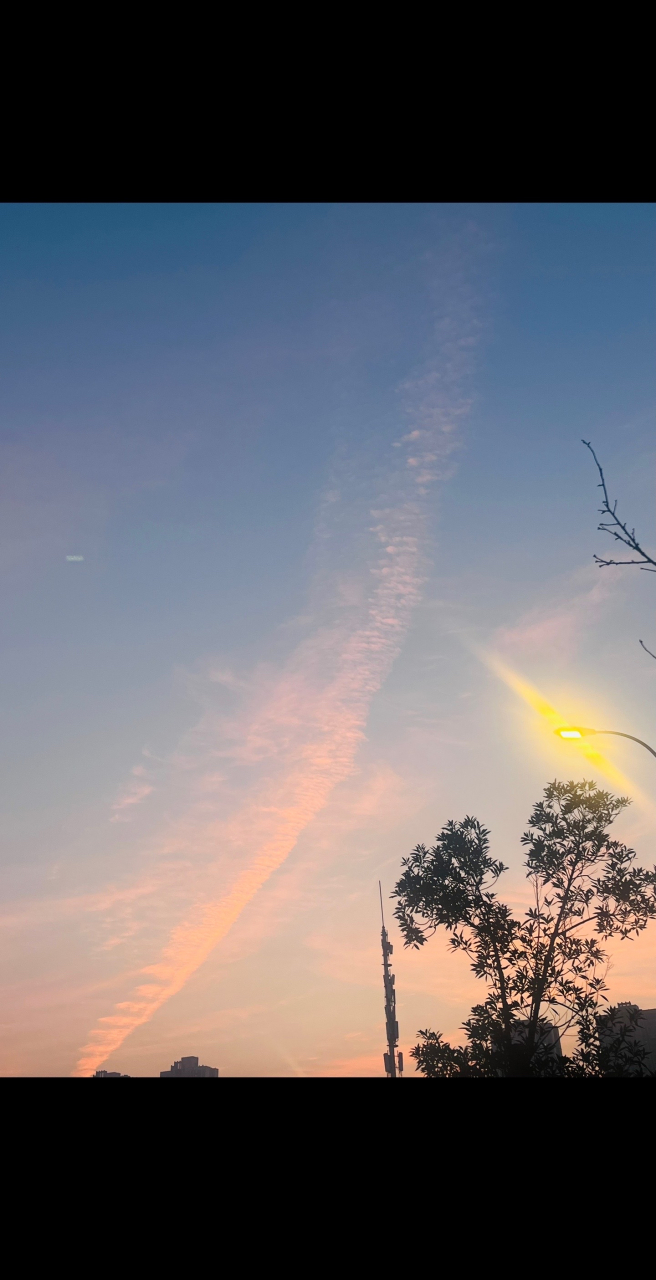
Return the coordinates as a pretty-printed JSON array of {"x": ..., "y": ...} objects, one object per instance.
[{"x": 205, "y": 402}]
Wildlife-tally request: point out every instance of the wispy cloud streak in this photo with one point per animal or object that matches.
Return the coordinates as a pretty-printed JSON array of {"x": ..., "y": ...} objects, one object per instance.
[
  {"x": 303, "y": 741},
  {"x": 133, "y": 795}
]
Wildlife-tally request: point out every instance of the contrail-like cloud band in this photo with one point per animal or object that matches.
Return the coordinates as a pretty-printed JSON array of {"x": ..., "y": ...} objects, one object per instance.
[
  {"x": 339, "y": 715},
  {"x": 327, "y": 715}
]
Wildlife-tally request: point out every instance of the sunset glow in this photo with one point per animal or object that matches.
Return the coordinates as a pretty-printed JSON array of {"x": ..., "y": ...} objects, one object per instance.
[{"x": 297, "y": 542}]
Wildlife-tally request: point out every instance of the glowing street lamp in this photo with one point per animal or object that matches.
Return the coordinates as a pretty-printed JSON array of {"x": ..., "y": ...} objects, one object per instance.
[{"x": 576, "y": 731}]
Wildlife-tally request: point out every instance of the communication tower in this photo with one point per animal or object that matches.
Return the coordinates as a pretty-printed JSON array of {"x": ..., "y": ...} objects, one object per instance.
[{"x": 393, "y": 1059}]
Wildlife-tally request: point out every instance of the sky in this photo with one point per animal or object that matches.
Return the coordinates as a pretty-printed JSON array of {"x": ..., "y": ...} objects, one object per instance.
[{"x": 297, "y": 538}]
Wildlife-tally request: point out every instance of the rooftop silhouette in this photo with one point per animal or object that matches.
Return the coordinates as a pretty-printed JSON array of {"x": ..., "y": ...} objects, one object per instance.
[{"x": 188, "y": 1068}]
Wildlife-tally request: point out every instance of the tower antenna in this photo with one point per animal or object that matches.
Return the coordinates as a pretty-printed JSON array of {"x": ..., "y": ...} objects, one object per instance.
[{"x": 393, "y": 1059}]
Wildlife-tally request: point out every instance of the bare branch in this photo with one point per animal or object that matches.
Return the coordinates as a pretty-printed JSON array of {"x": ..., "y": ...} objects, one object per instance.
[
  {"x": 600, "y": 560},
  {"x": 617, "y": 528},
  {"x": 620, "y": 532}
]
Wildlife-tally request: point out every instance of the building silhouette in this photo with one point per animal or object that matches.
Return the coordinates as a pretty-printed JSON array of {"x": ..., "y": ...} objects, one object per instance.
[
  {"x": 547, "y": 1038},
  {"x": 188, "y": 1068},
  {"x": 644, "y": 1033},
  {"x": 109, "y": 1075}
]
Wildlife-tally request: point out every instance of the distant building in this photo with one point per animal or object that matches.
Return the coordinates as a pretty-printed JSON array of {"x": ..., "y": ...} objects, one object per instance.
[
  {"x": 109, "y": 1075},
  {"x": 643, "y": 1034},
  {"x": 647, "y": 1034},
  {"x": 548, "y": 1037},
  {"x": 547, "y": 1045},
  {"x": 188, "y": 1069}
]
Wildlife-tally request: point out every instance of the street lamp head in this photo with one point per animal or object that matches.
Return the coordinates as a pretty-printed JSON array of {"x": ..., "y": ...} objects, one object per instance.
[{"x": 576, "y": 731}]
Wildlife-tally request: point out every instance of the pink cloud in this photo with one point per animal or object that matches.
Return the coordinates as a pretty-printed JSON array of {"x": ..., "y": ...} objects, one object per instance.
[
  {"x": 302, "y": 736},
  {"x": 33, "y": 913},
  {"x": 321, "y": 728},
  {"x": 556, "y": 628},
  {"x": 133, "y": 795}
]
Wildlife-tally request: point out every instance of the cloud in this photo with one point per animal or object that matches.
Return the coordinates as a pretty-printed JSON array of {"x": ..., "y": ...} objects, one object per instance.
[
  {"x": 133, "y": 795},
  {"x": 321, "y": 730},
  {"x": 226, "y": 677},
  {"x": 33, "y": 913},
  {"x": 555, "y": 629},
  {"x": 298, "y": 737}
]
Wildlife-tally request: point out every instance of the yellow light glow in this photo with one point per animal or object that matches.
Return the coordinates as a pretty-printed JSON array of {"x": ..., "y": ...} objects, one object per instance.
[{"x": 529, "y": 694}]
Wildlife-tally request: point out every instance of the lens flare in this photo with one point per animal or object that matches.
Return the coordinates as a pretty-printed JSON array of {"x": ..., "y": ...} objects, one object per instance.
[{"x": 555, "y": 720}]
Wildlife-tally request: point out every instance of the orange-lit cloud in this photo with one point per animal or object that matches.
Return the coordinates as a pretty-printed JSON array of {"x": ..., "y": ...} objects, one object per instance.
[
  {"x": 302, "y": 741},
  {"x": 323, "y": 730}
]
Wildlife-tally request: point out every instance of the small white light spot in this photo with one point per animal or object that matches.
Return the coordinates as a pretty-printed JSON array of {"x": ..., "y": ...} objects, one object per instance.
[{"x": 75, "y": 557}]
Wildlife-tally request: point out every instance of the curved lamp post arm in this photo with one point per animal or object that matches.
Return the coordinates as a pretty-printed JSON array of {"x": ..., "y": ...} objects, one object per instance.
[
  {"x": 576, "y": 731},
  {"x": 617, "y": 734}
]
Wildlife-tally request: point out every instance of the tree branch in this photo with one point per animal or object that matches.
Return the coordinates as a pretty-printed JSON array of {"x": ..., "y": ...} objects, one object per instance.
[
  {"x": 617, "y": 528},
  {"x": 541, "y": 983}
]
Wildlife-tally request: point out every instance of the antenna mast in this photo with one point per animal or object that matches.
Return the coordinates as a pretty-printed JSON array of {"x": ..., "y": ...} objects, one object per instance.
[{"x": 393, "y": 1059}]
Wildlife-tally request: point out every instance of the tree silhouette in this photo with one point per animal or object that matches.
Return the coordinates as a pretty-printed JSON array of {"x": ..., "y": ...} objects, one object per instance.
[{"x": 545, "y": 972}]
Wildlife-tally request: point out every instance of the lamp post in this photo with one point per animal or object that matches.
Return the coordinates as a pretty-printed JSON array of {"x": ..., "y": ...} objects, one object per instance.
[{"x": 576, "y": 731}]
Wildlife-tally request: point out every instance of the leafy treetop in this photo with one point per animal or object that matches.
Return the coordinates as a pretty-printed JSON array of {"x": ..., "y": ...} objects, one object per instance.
[{"x": 546, "y": 970}]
